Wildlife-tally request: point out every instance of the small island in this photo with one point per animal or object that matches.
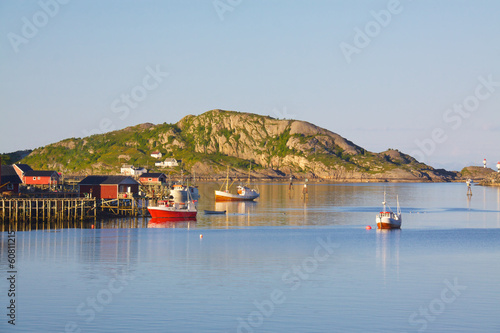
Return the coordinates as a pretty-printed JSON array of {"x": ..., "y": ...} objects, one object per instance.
[{"x": 274, "y": 149}]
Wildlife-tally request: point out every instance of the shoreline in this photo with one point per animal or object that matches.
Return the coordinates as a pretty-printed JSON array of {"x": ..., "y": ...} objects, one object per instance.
[{"x": 241, "y": 178}]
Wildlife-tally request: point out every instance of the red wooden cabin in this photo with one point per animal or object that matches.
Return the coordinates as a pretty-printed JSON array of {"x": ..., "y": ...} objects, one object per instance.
[
  {"x": 37, "y": 177},
  {"x": 152, "y": 178},
  {"x": 108, "y": 187}
]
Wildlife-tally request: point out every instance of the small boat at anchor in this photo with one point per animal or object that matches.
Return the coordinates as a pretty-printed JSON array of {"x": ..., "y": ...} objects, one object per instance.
[
  {"x": 215, "y": 212},
  {"x": 387, "y": 219},
  {"x": 174, "y": 210},
  {"x": 244, "y": 193}
]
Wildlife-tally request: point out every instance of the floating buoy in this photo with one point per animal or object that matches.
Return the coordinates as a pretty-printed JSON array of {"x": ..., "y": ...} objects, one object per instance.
[
  {"x": 201, "y": 236},
  {"x": 92, "y": 226},
  {"x": 368, "y": 227}
]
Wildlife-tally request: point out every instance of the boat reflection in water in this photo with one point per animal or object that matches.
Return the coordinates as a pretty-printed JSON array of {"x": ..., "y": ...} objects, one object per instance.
[
  {"x": 388, "y": 251},
  {"x": 158, "y": 222},
  {"x": 236, "y": 207}
]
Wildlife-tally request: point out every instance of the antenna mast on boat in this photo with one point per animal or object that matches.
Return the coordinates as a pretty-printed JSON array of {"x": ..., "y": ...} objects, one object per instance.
[
  {"x": 384, "y": 203},
  {"x": 250, "y": 169}
]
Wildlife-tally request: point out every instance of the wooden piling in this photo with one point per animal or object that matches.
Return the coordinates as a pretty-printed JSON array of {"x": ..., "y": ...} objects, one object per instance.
[{"x": 20, "y": 209}]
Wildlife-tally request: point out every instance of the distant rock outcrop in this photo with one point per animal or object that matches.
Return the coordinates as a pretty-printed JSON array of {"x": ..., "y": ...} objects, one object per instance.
[
  {"x": 492, "y": 178},
  {"x": 476, "y": 173}
]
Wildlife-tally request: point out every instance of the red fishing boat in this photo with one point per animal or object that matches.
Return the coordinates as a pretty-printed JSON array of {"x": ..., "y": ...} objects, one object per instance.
[{"x": 175, "y": 210}]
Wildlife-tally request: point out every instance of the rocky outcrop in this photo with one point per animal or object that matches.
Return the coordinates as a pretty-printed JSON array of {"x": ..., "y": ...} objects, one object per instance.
[
  {"x": 285, "y": 147},
  {"x": 476, "y": 173},
  {"x": 493, "y": 179}
]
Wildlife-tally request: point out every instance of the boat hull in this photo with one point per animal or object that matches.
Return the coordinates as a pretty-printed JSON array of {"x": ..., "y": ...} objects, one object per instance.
[
  {"x": 226, "y": 196},
  {"x": 388, "y": 223},
  {"x": 382, "y": 225},
  {"x": 168, "y": 212}
]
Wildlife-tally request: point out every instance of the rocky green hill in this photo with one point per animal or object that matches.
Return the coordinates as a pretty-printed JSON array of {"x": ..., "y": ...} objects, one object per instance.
[
  {"x": 476, "y": 173},
  {"x": 14, "y": 157},
  {"x": 209, "y": 142}
]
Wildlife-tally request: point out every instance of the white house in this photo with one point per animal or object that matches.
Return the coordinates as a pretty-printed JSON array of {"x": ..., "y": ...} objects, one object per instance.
[
  {"x": 131, "y": 170},
  {"x": 169, "y": 162},
  {"x": 156, "y": 154}
]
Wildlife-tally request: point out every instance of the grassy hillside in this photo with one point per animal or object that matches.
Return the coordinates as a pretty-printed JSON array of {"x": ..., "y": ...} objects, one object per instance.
[{"x": 14, "y": 157}]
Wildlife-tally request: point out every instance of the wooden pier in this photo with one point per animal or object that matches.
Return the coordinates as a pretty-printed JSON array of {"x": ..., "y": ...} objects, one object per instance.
[
  {"x": 36, "y": 209},
  {"x": 126, "y": 207},
  {"x": 71, "y": 209}
]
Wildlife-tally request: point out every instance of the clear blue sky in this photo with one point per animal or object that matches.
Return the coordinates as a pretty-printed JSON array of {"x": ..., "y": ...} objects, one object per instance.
[{"x": 67, "y": 69}]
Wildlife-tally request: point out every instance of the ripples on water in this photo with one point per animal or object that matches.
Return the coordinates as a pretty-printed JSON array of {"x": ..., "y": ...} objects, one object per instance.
[{"x": 155, "y": 276}]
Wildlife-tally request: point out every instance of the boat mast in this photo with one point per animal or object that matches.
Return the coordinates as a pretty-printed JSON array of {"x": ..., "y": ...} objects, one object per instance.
[
  {"x": 227, "y": 179},
  {"x": 383, "y": 203},
  {"x": 250, "y": 169}
]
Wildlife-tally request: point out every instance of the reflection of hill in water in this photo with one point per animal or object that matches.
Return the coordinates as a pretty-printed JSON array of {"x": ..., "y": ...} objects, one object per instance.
[{"x": 88, "y": 249}]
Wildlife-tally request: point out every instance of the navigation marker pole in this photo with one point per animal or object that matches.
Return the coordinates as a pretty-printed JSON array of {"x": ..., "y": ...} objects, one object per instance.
[{"x": 469, "y": 189}]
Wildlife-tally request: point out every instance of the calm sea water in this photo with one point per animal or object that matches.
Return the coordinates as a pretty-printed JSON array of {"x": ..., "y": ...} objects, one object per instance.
[{"x": 282, "y": 264}]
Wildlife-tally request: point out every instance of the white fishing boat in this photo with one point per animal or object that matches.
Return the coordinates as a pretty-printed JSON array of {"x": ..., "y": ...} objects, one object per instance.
[
  {"x": 244, "y": 193},
  {"x": 387, "y": 219},
  {"x": 180, "y": 192}
]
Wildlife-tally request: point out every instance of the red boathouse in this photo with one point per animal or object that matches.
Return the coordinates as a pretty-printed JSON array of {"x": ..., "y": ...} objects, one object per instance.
[
  {"x": 152, "y": 178},
  {"x": 108, "y": 187},
  {"x": 38, "y": 177}
]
